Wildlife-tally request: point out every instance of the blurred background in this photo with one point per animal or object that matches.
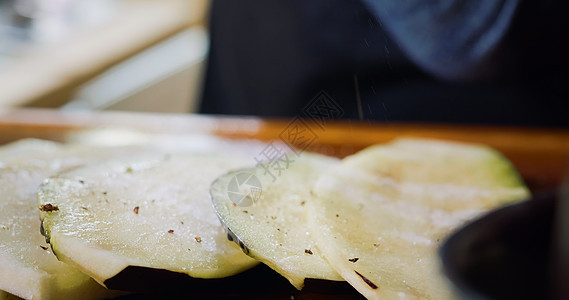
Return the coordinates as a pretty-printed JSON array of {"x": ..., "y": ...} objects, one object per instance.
[
  {"x": 488, "y": 62},
  {"x": 139, "y": 55}
]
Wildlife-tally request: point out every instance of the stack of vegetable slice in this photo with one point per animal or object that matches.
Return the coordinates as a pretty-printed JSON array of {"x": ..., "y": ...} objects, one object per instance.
[
  {"x": 152, "y": 212},
  {"x": 102, "y": 214},
  {"x": 274, "y": 228},
  {"x": 28, "y": 269},
  {"x": 374, "y": 219}
]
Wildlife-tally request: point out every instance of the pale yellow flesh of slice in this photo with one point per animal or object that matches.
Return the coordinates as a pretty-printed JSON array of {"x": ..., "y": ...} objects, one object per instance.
[
  {"x": 271, "y": 222},
  {"x": 28, "y": 269},
  {"x": 381, "y": 214},
  {"x": 149, "y": 212}
]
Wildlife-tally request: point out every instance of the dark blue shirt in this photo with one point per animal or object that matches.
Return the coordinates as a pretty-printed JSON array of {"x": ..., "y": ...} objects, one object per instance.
[{"x": 484, "y": 61}]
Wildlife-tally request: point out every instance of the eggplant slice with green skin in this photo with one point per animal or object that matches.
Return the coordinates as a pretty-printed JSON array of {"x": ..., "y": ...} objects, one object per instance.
[
  {"x": 265, "y": 213},
  {"x": 380, "y": 215},
  {"x": 151, "y": 211},
  {"x": 28, "y": 269}
]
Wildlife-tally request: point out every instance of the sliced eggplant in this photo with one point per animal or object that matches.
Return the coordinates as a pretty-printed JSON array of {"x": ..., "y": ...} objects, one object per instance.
[
  {"x": 380, "y": 215},
  {"x": 28, "y": 269},
  {"x": 151, "y": 211},
  {"x": 8, "y": 296},
  {"x": 264, "y": 209}
]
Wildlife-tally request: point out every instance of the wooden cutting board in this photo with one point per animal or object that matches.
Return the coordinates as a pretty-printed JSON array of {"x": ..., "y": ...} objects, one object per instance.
[{"x": 540, "y": 154}]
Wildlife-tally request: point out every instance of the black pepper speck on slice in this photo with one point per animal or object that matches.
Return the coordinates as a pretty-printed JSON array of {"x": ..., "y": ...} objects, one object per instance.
[
  {"x": 308, "y": 251},
  {"x": 49, "y": 207},
  {"x": 354, "y": 259},
  {"x": 171, "y": 231}
]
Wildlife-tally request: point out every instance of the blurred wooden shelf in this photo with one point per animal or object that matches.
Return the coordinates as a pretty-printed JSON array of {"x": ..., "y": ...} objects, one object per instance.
[{"x": 47, "y": 77}]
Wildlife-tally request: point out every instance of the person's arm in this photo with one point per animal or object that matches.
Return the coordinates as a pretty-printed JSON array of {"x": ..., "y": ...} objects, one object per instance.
[{"x": 452, "y": 39}]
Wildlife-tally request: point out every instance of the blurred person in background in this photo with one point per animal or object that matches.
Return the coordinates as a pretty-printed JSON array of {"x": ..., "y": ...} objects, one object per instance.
[{"x": 453, "y": 61}]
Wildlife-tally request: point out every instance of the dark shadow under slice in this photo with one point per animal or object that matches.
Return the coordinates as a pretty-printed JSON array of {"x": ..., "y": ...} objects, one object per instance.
[{"x": 260, "y": 282}]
